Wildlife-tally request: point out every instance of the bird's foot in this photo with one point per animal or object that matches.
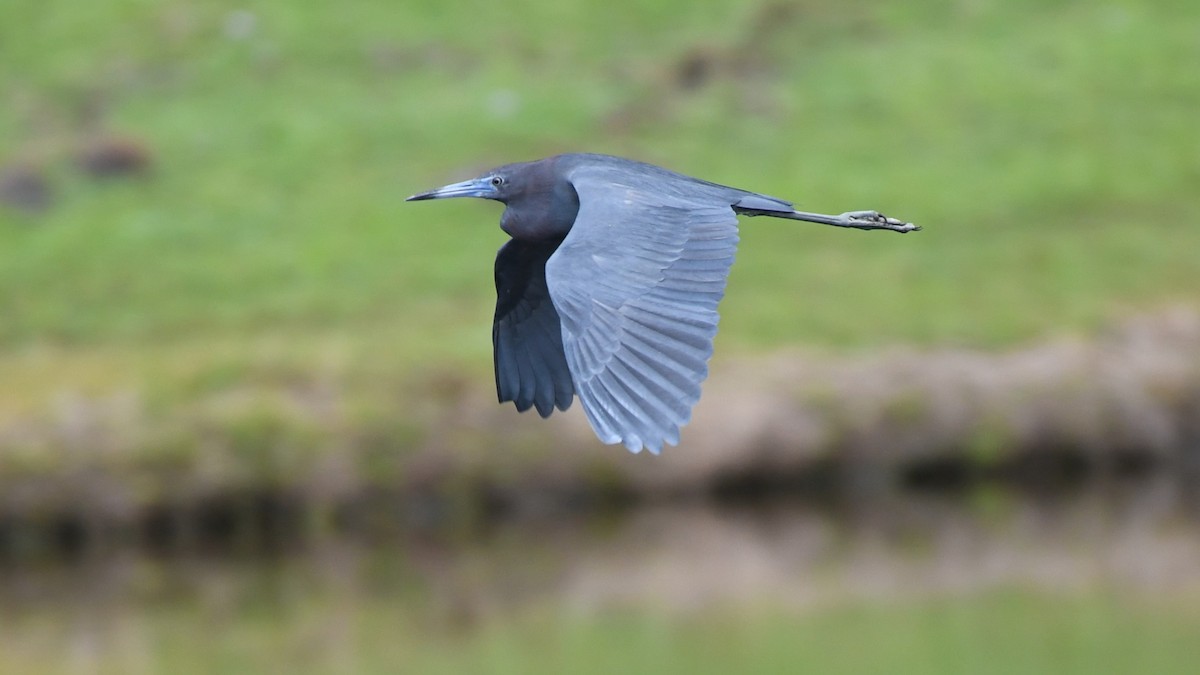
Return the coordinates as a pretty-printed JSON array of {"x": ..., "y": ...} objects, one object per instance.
[{"x": 874, "y": 220}]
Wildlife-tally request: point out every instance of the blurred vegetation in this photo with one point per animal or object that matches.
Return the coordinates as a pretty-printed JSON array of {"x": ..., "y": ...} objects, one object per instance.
[
  {"x": 208, "y": 276},
  {"x": 206, "y": 198},
  {"x": 205, "y": 236},
  {"x": 1049, "y": 148},
  {"x": 1001, "y": 631}
]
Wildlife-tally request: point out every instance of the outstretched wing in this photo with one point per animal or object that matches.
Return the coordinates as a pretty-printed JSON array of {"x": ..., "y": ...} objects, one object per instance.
[
  {"x": 636, "y": 283},
  {"x": 527, "y": 342}
]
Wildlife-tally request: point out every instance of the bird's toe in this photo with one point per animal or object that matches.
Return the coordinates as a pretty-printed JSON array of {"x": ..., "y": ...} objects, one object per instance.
[{"x": 874, "y": 220}]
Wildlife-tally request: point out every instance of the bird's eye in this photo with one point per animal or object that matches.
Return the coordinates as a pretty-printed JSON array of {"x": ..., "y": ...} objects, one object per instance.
[{"x": 497, "y": 181}]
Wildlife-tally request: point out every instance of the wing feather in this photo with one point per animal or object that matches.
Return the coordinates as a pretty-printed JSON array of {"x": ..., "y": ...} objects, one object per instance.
[
  {"x": 531, "y": 366},
  {"x": 636, "y": 284}
]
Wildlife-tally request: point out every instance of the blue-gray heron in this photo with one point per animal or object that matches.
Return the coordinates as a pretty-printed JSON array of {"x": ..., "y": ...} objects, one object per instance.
[{"x": 609, "y": 286}]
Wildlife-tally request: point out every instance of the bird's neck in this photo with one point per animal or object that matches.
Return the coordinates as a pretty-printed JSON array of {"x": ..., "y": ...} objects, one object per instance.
[
  {"x": 544, "y": 216},
  {"x": 531, "y": 225}
]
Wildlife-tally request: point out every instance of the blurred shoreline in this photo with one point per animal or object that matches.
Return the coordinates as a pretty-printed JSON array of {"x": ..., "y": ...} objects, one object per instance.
[
  {"x": 1136, "y": 534},
  {"x": 1125, "y": 402}
]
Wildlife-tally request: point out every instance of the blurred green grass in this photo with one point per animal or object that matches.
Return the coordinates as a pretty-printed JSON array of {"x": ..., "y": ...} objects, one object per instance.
[
  {"x": 1000, "y": 631},
  {"x": 994, "y": 632},
  {"x": 1049, "y": 148}
]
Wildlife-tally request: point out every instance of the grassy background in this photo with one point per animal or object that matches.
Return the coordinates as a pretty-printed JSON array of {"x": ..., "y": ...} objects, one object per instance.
[
  {"x": 1049, "y": 148},
  {"x": 1003, "y": 631},
  {"x": 265, "y": 269}
]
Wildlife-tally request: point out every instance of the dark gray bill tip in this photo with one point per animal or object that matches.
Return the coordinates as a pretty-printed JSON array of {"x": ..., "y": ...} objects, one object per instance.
[{"x": 422, "y": 196}]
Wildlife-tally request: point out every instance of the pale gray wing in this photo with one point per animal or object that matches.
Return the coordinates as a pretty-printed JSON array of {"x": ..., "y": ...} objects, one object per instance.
[
  {"x": 527, "y": 344},
  {"x": 636, "y": 283}
]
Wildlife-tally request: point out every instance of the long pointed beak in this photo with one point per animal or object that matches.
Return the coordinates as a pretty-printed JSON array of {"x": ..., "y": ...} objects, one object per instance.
[{"x": 476, "y": 187}]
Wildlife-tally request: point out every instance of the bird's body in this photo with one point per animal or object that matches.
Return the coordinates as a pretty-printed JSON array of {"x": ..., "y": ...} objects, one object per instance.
[{"x": 609, "y": 287}]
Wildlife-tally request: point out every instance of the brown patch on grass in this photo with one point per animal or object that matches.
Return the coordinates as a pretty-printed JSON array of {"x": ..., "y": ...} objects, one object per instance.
[
  {"x": 113, "y": 157},
  {"x": 25, "y": 187},
  {"x": 748, "y": 63}
]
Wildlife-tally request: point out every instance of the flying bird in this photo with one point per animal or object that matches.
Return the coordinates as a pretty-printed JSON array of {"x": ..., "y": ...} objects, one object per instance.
[{"x": 608, "y": 288}]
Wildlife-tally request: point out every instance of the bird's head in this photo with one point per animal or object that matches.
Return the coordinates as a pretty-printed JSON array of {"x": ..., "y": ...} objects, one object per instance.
[{"x": 540, "y": 201}]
